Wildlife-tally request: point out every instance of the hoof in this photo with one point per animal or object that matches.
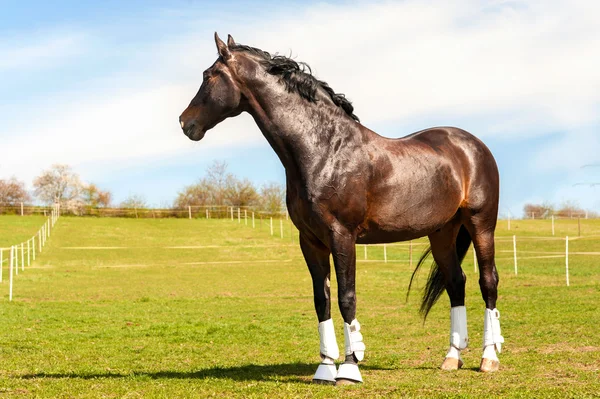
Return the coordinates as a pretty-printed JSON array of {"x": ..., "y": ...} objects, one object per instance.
[
  {"x": 489, "y": 365},
  {"x": 343, "y": 381},
  {"x": 348, "y": 374},
  {"x": 323, "y": 382},
  {"x": 451, "y": 364}
]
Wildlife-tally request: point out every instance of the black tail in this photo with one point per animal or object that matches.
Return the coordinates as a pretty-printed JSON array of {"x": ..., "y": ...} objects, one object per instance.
[{"x": 435, "y": 283}]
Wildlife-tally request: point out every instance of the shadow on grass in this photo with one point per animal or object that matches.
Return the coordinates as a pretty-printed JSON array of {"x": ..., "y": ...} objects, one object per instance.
[{"x": 292, "y": 372}]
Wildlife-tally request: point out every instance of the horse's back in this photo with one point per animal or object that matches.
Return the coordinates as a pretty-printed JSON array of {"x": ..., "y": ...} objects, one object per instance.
[{"x": 469, "y": 154}]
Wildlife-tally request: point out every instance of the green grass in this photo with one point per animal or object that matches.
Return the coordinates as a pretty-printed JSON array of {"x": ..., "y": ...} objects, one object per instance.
[
  {"x": 16, "y": 229},
  {"x": 231, "y": 315}
]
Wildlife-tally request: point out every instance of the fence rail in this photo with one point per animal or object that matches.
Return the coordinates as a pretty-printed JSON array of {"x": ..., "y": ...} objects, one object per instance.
[{"x": 189, "y": 212}]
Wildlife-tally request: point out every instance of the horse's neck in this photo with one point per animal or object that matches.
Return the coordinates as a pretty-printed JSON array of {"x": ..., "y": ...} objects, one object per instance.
[{"x": 301, "y": 132}]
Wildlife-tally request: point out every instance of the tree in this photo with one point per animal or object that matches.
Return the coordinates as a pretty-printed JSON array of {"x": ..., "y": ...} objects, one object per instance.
[
  {"x": 569, "y": 209},
  {"x": 194, "y": 195},
  {"x": 13, "y": 192},
  {"x": 272, "y": 197},
  {"x": 538, "y": 211},
  {"x": 61, "y": 185},
  {"x": 216, "y": 177},
  {"x": 240, "y": 192},
  {"x": 134, "y": 201},
  {"x": 95, "y": 197}
]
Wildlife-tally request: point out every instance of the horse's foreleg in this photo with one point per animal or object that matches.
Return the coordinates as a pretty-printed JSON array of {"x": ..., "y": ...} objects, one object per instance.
[
  {"x": 344, "y": 258},
  {"x": 317, "y": 259}
]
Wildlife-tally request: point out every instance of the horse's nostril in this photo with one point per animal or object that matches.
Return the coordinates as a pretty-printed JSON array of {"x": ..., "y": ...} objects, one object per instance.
[{"x": 189, "y": 128}]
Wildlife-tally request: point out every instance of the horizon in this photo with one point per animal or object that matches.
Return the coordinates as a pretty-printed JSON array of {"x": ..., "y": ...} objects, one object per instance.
[{"x": 100, "y": 87}]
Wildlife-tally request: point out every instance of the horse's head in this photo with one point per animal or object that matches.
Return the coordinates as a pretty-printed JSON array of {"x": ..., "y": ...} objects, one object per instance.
[{"x": 218, "y": 98}]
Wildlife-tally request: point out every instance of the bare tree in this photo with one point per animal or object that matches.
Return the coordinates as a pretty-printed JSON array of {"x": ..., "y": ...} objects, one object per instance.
[
  {"x": 272, "y": 197},
  {"x": 195, "y": 195},
  {"x": 134, "y": 201},
  {"x": 570, "y": 209},
  {"x": 538, "y": 211},
  {"x": 216, "y": 177},
  {"x": 61, "y": 185},
  {"x": 13, "y": 192},
  {"x": 240, "y": 192}
]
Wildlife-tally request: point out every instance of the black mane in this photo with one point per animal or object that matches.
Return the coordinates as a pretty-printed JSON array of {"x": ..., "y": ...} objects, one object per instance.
[{"x": 298, "y": 77}]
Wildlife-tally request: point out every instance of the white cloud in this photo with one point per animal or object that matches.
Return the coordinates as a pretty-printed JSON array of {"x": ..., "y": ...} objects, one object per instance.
[{"x": 40, "y": 51}]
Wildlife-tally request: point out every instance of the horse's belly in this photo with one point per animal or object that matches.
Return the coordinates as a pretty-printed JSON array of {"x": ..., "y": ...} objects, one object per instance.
[{"x": 393, "y": 221}]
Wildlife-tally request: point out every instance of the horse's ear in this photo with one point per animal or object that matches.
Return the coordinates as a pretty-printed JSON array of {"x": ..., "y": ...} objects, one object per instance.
[
  {"x": 222, "y": 47},
  {"x": 230, "y": 41}
]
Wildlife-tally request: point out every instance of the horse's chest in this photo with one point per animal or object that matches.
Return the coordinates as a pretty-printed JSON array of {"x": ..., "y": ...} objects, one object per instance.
[{"x": 322, "y": 203}]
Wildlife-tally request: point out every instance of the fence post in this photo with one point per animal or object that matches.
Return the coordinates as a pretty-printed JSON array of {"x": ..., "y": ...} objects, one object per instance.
[
  {"x": 246, "y": 217},
  {"x": 232, "y": 214},
  {"x": 190, "y": 211},
  {"x": 252, "y": 219},
  {"x": 206, "y": 213},
  {"x": 271, "y": 225},
  {"x": 10, "y": 274},
  {"x": 16, "y": 253},
  {"x": 281, "y": 227},
  {"x": 515, "y": 252},
  {"x": 21, "y": 209},
  {"x": 567, "y": 258},
  {"x": 239, "y": 219},
  {"x": 22, "y": 256},
  {"x": 33, "y": 246},
  {"x": 384, "y": 253}
]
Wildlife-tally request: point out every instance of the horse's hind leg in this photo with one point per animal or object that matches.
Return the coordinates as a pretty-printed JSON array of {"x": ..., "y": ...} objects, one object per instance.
[
  {"x": 447, "y": 250},
  {"x": 317, "y": 259},
  {"x": 482, "y": 227}
]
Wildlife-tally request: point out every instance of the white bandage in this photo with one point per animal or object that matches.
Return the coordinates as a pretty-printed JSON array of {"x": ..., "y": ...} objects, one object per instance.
[
  {"x": 491, "y": 330},
  {"x": 329, "y": 346},
  {"x": 354, "y": 340},
  {"x": 459, "y": 338}
]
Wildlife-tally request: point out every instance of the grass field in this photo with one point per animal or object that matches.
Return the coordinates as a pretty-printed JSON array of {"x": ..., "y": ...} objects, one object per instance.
[{"x": 173, "y": 308}]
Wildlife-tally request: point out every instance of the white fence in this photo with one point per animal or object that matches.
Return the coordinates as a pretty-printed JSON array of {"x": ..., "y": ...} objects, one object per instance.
[{"x": 24, "y": 253}]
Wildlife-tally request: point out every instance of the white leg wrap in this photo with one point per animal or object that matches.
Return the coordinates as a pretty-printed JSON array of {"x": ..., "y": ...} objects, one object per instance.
[
  {"x": 492, "y": 337},
  {"x": 329, "y": 346},
  {"x": 354, "y": 340},
  {"x": 459, "y": 338}
]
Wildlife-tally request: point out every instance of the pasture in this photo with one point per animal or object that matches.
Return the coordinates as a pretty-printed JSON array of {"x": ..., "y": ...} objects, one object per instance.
[{"x": 212, "y": 308}]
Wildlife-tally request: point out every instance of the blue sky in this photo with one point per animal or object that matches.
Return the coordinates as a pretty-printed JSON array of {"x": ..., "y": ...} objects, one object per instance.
[{"x": 99, "y": 85}]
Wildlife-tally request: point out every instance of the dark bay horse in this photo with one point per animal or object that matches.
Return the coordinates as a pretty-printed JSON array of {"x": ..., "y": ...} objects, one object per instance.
[{"x": 347, "y": 185}]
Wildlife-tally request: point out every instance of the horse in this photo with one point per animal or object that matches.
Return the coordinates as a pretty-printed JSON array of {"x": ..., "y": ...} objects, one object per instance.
[{"x": 346, "y": 185}]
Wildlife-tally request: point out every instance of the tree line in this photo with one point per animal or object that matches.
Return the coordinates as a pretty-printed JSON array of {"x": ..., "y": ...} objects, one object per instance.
[
  {"x": 61, "y": 185},
  {"x": 567, "y": 209}
]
